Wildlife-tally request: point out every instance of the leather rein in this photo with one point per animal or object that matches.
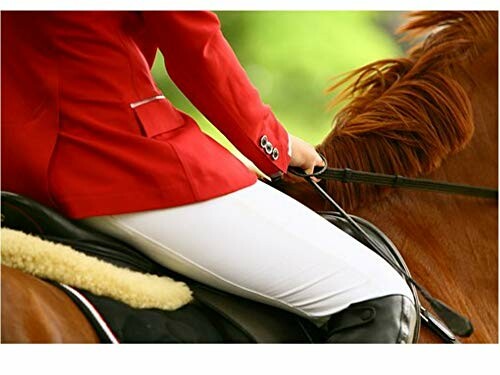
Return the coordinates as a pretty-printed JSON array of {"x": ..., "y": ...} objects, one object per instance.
[{"x": 396, "y": 181}]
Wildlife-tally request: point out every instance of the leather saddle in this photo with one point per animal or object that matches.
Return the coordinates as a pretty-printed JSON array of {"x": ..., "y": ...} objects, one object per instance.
[{"x": 213, "y": 316}]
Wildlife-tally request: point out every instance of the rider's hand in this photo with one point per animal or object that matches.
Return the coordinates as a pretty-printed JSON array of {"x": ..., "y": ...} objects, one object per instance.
[{"x": 304, "y": 156}]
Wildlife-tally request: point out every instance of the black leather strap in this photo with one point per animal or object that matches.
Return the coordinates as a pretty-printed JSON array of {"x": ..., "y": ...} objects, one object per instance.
[
  {"x": 394, "y": 181},
  {"x": 397, "y": 181}
]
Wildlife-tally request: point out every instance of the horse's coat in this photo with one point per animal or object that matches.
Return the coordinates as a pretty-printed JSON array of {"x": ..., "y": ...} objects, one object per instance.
[{"x": 34, "y": 311}]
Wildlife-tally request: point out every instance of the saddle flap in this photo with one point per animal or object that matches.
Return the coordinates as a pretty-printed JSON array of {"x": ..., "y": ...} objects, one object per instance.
[{"x": 262, "y": 323}]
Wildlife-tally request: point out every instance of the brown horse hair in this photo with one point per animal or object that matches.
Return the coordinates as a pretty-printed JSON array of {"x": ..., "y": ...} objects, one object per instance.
[{"x": 406, "y": 115}]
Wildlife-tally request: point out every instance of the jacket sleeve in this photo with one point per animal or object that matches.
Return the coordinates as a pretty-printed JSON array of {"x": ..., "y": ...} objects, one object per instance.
[{"x": 204, "y": 67}]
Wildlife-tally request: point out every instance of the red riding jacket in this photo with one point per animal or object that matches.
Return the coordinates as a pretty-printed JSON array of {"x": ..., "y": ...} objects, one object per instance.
[{"x": 86, "y": 130}]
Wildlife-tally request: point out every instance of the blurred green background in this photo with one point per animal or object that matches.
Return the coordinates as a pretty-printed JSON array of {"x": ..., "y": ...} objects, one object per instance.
[{"x": 291, "y": 56}]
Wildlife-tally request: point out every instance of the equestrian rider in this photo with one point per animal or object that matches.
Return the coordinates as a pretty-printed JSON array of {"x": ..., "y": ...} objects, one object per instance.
[{"x": 85, "y": 130}]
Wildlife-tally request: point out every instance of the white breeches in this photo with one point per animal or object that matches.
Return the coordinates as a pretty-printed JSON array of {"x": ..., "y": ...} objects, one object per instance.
[{"x": 261, "y": 244}]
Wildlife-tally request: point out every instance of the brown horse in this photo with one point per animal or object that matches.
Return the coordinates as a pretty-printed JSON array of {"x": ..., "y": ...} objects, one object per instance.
[
  {"x": 34, "y": 311},
  {"x": 433, "y": 113}
]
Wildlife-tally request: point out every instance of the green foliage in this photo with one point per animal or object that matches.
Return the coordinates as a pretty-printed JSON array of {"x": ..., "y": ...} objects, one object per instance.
[{"x": 291, "y": 56}]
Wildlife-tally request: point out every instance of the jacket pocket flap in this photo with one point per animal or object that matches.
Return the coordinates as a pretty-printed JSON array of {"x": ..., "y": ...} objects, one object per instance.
[{"x": 157, "y": 116}]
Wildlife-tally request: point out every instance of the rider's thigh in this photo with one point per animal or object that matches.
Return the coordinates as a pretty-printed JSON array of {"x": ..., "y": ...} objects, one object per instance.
[{"x": 261, "y": 244}]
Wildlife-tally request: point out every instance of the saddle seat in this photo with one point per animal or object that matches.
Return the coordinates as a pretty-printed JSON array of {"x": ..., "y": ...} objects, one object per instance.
[{"x": 216, "y": 316}]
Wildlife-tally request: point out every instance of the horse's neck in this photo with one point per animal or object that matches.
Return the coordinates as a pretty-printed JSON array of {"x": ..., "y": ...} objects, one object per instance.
[{"x": 477, "y": 163}]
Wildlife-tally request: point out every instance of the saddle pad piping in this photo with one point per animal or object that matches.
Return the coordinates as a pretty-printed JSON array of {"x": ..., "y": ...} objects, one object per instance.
[{"x": 95, "y": 314}]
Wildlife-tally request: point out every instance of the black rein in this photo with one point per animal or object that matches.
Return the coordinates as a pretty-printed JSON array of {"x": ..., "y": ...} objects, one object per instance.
[{"x": 396, "y": 181}]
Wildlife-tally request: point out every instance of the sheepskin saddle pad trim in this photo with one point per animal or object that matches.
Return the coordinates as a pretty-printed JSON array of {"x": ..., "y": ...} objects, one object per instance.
[{"x": 65, "y": 265}]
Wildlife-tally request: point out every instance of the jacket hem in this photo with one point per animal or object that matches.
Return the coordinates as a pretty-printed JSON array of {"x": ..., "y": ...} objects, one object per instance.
[{"x": 82, "y": 207}]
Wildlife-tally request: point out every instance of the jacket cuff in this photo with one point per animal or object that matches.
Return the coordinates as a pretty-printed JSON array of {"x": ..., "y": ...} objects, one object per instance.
[{"x": 273, "y": 142}]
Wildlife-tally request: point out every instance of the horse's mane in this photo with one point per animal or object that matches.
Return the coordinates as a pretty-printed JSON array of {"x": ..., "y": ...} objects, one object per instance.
[{"x": 406, "y": 115}]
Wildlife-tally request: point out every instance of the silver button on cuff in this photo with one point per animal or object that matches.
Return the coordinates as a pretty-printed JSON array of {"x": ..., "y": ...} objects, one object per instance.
[
  {"x": 263, "y": 141},
  {"x": 276, "y": 154},
  {"x": 269, "y": 148}
]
